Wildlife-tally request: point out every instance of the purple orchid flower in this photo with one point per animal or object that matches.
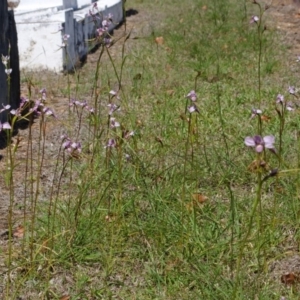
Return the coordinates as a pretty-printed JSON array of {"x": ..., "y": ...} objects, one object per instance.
[
  {"x": 292, "y": 90},
  {"x": 260, "y": 143},
  {"x": 8, "y": 71},
  {"x": 129, "y": 134},
  {"x": 49, "y": 112},
  {"x": 69, "y": 145},
  {"x": 4, "y": 125},
  {"x": 100, "y": 31},
  {"x": 65, "y": 37},
  {"x": 110, "y": 16},
  {"x": 289, "y": 106},
  {"x": 280, "y": 99},
  {"x": 192, "y": 95},
  {"x": 254, "y": 19},
  {"x": 114, "y": 94},
  {"x": 6, "y": 107},
  {"x": 66, "y": 141},
  {"x": 17, "y": 112},
  {"x": 255, "y": 112},
  {"x": 105, "y": 24},
  {"x": 193, "y": 108},
  {"x": 76, "y": 103},
  {"x": 37, "y": 106},
  {"x": 114, "y": 123},
  {"x": 83, "y": 104},
  {"x": 5, "y": 60},
  {"x": 76, "y": 146},
  {"x": 112, "y": 108},
  {"x": 44, "y": 94},
  {"x": 107, "y": 42},
  {"x": 111, "y": 143},
  {"x": 91, "y": 110},
  {"x": 23, "y": 101}
]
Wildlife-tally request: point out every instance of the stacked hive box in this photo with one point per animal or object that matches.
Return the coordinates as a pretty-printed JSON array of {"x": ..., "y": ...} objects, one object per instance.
[{"x": 40, "y": 41}]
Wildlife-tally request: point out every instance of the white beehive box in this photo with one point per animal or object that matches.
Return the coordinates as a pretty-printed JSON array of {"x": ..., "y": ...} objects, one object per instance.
[{"x": 39, "y": 38}]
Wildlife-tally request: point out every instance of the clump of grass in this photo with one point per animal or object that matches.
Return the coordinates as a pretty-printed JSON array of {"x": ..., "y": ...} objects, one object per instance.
[{"x": 153, "y": 193}]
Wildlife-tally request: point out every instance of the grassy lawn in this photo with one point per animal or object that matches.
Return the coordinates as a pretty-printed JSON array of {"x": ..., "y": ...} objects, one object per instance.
[{"x": 166, "y": 200}]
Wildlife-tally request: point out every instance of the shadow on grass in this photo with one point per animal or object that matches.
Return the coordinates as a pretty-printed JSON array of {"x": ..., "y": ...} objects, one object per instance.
[{"x": 131, "y": 12}]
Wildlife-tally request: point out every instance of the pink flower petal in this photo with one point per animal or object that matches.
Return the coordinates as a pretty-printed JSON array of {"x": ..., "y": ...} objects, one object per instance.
[
  {"x": 269, "y": 141},
  {"x": 259, "y": 148},
  {"x": 249, "y": 141},
  {"x": 6, "y": 125}
]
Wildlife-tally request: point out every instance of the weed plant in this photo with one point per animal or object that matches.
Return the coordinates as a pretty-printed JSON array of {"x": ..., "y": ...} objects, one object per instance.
[{"x": 177, "y": 171}]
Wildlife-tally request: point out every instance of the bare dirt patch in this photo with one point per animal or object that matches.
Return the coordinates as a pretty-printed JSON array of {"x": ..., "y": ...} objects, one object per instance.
[{"x": 285, "y": 17}]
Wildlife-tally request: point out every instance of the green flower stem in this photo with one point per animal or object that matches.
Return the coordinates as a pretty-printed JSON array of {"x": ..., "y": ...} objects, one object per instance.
[{"x": 256, "y": 203}]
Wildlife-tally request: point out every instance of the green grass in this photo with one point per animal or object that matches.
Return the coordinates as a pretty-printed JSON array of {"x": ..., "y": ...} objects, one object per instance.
[{"x": 131, "y": 229}]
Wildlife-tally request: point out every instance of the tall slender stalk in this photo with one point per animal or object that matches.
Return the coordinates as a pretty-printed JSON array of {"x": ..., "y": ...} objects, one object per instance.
[
  {"x": 256, "y": 203},
  {"x": 222, "y": 123},
  {"x": 40, "y": 161},
  {"x": 10, "y": 210},
  {"x": 260, "y": 30}
]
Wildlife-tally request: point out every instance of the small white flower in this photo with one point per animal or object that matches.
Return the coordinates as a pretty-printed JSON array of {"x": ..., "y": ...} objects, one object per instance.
[
  {"x": 8, "y": 71},
  {"x": 5, "y": 60},
  {"x": 66, "y": 37},
  {"x": 114, "y": 123}
]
